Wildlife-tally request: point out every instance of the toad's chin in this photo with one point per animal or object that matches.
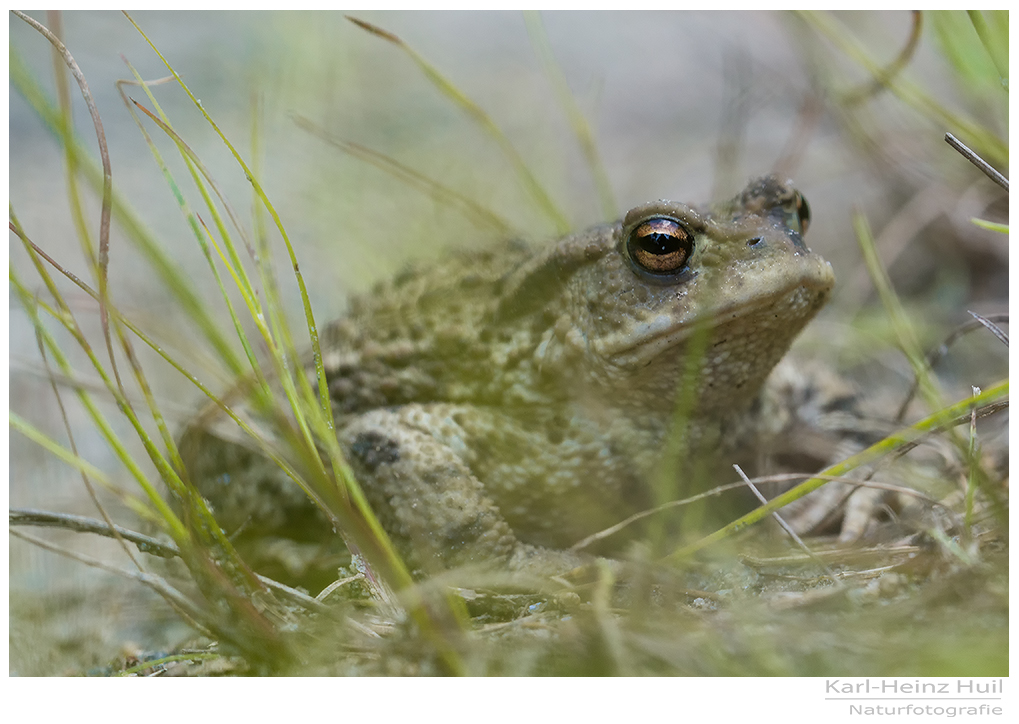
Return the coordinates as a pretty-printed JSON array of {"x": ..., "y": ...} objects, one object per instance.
[{"x": 792, "y": 307}]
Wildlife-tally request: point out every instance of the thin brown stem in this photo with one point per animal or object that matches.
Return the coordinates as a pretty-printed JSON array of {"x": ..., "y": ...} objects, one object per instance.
[
  {"x": 883, "y": 78},
  {"x": 107, "y": 204},
  {"x": 935, "y": 355},
  {"x": 974, "y": 158}
]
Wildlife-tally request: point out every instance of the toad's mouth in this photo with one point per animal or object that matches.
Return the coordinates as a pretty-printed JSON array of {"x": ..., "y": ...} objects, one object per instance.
[{"x": 782, "y": 314}]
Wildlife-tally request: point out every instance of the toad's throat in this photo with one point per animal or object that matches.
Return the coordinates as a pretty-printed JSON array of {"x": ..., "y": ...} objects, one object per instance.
[{"x": 793, "y": 306}]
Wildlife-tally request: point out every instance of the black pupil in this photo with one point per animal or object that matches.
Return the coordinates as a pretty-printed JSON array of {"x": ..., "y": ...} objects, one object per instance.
[{"x": 658, "y": 243}]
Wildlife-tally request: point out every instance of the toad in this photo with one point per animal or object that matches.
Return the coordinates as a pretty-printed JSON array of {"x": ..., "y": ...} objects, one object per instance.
[{"x": 502, "y": 404}]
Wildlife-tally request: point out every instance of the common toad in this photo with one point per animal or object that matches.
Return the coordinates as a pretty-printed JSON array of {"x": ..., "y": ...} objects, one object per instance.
[{"x": 502, "y": 404}]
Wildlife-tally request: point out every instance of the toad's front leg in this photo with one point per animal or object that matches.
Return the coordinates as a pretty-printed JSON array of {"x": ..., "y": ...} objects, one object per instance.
[{"x": 410, "y": 463}]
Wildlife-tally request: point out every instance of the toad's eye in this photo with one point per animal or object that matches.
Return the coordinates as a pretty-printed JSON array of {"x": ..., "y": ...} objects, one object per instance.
[
  {"x": 660, "y": 245},
  {"x": 799, "y": 214}
]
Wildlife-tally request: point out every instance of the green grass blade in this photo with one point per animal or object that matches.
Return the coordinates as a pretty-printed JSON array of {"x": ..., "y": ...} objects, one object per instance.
[
  {"x": 230, "y": 259},
  {"x": 306, "y": 301},
  {"x": 875, "y": 452},
  {"x": 482, "y": 119},
  {"x": 987, "y": 142},
  {"x": 578, "y": 123},
  {"x": 167, "y": 270},
  {"x": 908, "y": 342},
  {"x": 907, "y": 339},
  {"x": 174, "y": 526},
  {"x": 432, "y": 188},
  {"x": 102, "y": 261},
  {"x": 138, "y": 506},
  {"x": 990, "y": 225},
  {"x": 995, "y": 43},
  {"x": 436, "y": 624}
]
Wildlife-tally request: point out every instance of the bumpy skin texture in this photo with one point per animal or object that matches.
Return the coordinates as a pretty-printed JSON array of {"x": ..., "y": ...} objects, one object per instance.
[{"x": 505, "y": 403}]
